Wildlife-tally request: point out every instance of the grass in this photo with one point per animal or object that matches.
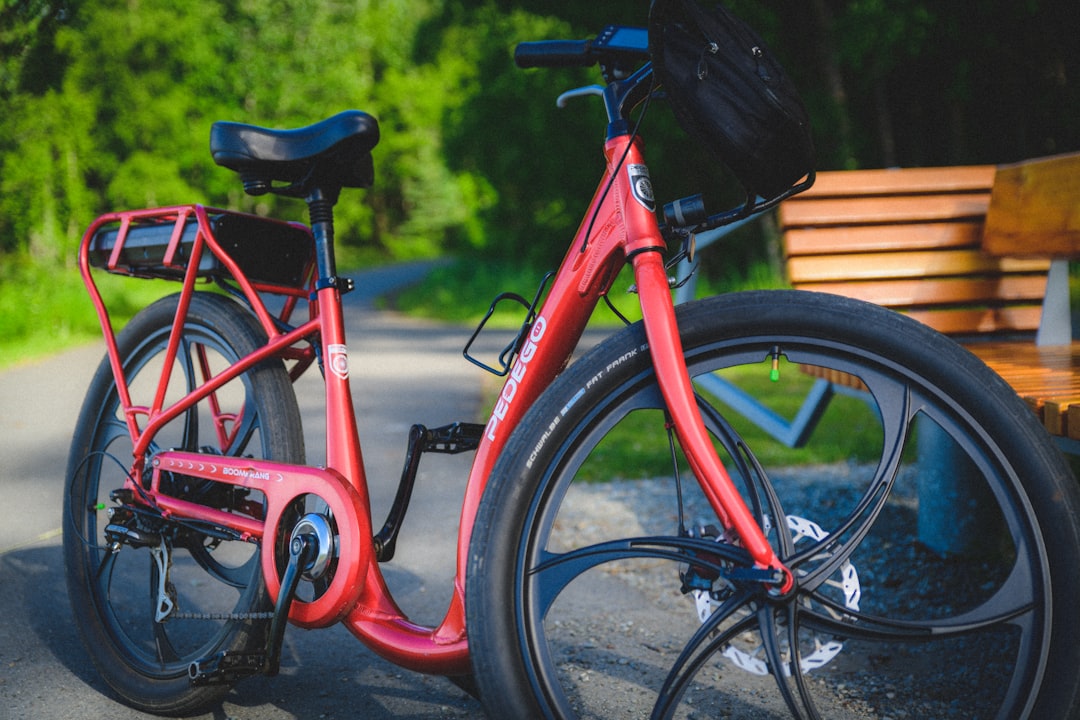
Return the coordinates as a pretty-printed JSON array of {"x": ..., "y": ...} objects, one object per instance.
[
  {"x": 462, "y": 292},
  {"x": 848, "y": 430},
  {"x": 46, "y": 310}
]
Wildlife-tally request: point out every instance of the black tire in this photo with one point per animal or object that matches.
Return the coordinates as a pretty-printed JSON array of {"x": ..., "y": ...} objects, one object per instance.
[
  {"x": 113, "y": 594},
  {"x": 562, "y": 625}
]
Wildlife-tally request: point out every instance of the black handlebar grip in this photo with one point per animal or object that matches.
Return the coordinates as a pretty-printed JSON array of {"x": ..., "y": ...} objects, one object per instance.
[{"x": 554, "y": 53}]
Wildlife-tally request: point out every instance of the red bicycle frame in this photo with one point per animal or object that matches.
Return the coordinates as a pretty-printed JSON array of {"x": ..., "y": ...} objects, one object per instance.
[{"x": 619, "y": 226}]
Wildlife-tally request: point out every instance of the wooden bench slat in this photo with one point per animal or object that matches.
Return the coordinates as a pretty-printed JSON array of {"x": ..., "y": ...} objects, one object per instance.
[
  {"x": 917, "y": 292},
  {"x": 954, "y": 248},
  {"x": 1052, "y": 370},
  {"x": 882, "y": 210},
  {"x": 1054, "y": 357},
  {"x": 837, "y": 377},
  {"x": 975, "y": 322},
  {"x": 878, "y": 238},
  {"x": 1045, "y": 377},
  {"x": 906, "y": 180},
  {"x": 917, "y": 264},
  {"x": 1055, "y": 418},
  {"x": 1047, "y": 388}
]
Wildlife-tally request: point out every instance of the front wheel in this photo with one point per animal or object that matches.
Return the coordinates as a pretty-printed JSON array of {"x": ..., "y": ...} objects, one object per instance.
[
  {"x": 601, "y": 582},
  {"x": 152, "y": 595}
]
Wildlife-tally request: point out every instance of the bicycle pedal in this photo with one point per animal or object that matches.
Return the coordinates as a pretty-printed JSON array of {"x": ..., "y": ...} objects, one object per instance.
[
  {"x": 454, "y": 438},
  {"x": 226, "y": 668},
  {"x": 449, "y": 439}
]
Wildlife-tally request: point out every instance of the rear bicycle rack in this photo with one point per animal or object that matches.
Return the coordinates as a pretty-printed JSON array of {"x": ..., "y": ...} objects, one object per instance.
[{"x": 162, "y": 244}]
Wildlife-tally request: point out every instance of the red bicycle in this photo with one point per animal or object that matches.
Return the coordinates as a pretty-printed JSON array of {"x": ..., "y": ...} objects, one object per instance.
[{"x": 710, "y": 577}]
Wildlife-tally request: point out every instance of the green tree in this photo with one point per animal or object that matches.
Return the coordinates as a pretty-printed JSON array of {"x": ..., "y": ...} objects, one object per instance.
[
  {"x": 26, "y": 31},
  {"x": 109, "y": 104},
  {"x": 124, "y": 126},
  {"x": 528, "y": 160},
  {"x": 44, "y": 200},
  {"x": 301, "y": 61}
]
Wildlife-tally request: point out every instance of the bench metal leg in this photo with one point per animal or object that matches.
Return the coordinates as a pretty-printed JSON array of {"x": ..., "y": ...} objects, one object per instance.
[
  {"x": 957, "y": 513},
  {"x": 1069, "y": 446},
  {"x": 1055, "y": 324},
  {"x": 793, "y": 433}
]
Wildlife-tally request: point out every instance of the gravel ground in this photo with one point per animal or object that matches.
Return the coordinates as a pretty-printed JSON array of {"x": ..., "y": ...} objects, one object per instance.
[{"x": 608, "y": 633}]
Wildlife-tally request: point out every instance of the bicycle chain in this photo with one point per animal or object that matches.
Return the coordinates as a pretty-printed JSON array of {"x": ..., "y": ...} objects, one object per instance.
[{"x": 221, "y": 616}]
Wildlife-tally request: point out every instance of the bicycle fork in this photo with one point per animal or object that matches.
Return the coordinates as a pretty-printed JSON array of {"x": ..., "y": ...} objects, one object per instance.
[
  {"x": 632, "y": 195},
  {"x": 673, "y": 377}
]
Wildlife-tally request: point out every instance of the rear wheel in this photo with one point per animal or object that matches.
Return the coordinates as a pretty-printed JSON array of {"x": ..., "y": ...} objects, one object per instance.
[
  {"x": 151, "y": 596},
  {"x": 601, "y": 582}
]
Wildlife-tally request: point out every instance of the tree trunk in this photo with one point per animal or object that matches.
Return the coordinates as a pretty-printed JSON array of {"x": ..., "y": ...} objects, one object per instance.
[{"x": 829, "y": 60}]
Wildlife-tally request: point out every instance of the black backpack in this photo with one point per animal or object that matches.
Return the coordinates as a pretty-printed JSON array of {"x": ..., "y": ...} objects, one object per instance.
[{"x": 729, "y": 92}]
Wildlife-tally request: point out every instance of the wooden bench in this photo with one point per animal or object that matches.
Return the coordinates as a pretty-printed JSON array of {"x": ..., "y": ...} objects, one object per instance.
[{"x": 978, "y": 252}]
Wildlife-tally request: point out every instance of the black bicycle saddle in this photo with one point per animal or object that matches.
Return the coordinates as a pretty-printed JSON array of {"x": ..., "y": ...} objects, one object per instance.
[{"x": 335, "y": 152}]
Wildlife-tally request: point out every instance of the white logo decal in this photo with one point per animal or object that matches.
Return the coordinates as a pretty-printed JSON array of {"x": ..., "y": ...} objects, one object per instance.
[
  {"x": 338, "y": 360},
  {"x": 528, "y": 350},
  {"x": 245, "y": 473},
  {"x": 641, "y": 186}
]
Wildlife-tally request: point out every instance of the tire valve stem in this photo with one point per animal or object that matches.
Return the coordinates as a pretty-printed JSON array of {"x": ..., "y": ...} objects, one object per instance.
[{"x": 774, "y": 372}]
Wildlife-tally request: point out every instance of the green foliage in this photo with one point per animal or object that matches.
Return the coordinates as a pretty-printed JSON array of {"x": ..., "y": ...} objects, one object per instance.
[
  {"x": 463, "y": 291},
  {"x": 848, "y": 431},
  {"x": 26, "y": 31},
  {"x": 43, "y": 309},
  {"x": 44, "y": 198},
  {"x": 108, "y": 105},
  {"x": 509, "y": 130}
]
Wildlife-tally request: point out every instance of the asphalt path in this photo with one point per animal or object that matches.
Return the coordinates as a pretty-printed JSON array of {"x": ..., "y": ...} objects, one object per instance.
[{"x": 403, "y": 371}]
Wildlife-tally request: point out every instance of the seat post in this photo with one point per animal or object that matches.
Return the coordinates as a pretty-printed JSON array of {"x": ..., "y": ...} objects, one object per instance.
[{"x": 321, "y": 211}]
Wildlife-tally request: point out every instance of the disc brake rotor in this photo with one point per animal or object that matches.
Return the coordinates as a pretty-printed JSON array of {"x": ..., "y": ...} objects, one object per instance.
[{"x": 748, "y": 652}]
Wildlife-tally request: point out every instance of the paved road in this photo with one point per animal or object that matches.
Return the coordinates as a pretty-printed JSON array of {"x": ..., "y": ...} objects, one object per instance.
[{"x": 404, "y": 371}]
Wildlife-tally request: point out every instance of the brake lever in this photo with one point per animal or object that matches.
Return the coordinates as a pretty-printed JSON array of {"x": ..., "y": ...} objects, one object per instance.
[{"x": 579, "y": 92}]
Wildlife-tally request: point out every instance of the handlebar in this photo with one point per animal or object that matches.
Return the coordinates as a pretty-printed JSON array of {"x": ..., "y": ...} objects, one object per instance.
[
  {"x": 618, "y": 49},
  {"x": 554, "y": 53},
  {"x": 615, "y": 45}
]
